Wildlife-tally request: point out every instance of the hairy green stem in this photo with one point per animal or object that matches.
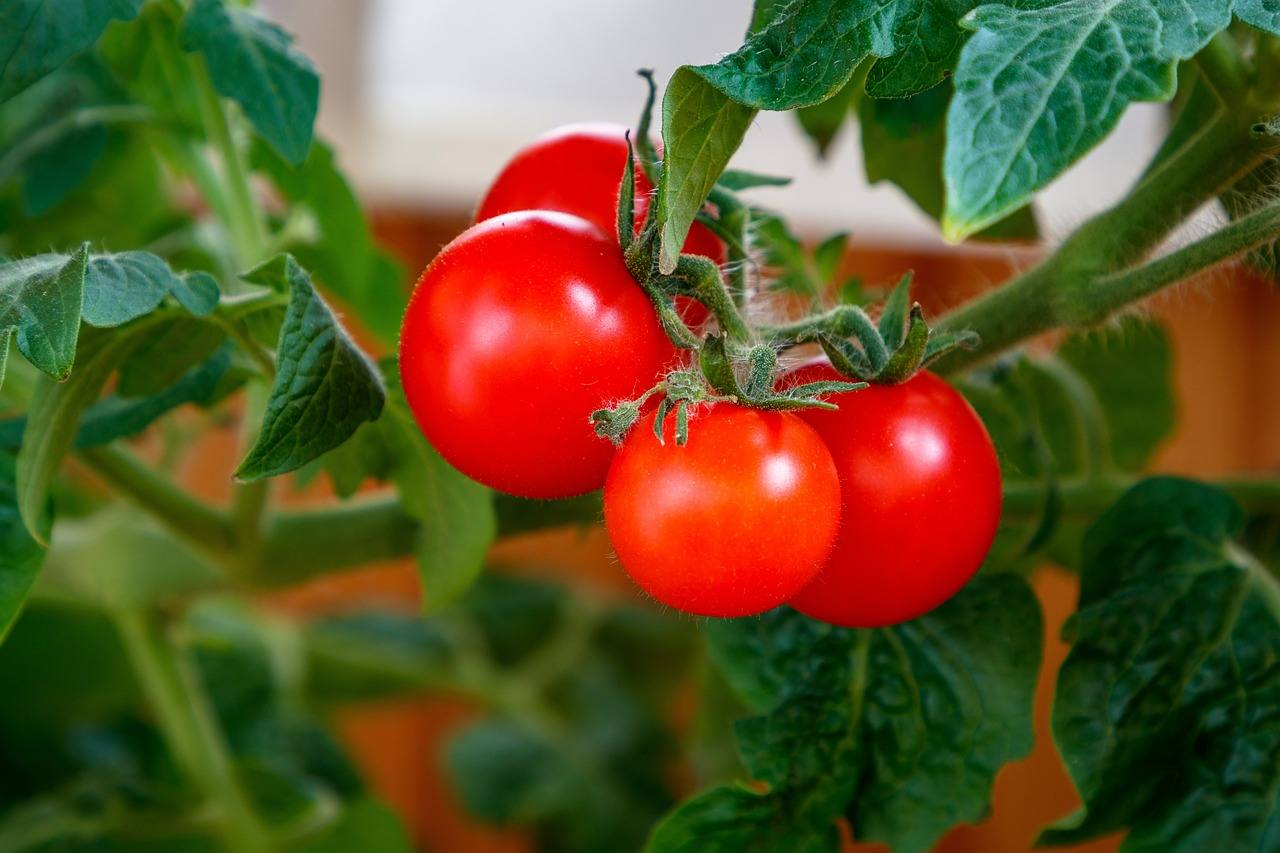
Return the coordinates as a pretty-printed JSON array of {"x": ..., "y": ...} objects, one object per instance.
[
  {"x": 1082, "y": 282},
  {"x": 1225, "y": 70},
  {"x": 246, "y": 223},
  {"x": 186, "y": 720}
]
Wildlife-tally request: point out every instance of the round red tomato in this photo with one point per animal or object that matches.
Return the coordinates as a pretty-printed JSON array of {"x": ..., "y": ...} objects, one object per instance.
[
  {"x": 516, "y": 332},
  {"x": 577, "y": 169},
  {"x": 733, "y": 523},
  {"x": 920, "y": 485}
]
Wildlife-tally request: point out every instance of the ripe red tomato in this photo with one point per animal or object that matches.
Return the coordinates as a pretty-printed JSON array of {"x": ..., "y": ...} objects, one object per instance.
[
  {"x": 577, "y": 169},
  {"x": 516, "y": 332},
  {"x": 921, "y": 499},
  {"x": 733, "y": 523}
]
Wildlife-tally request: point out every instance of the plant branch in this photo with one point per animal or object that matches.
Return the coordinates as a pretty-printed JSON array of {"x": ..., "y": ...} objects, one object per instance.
[
  {"x": 181, "y": 706},
  {"x": 194, "y": 521},
  {"x": 1081, "y": 282},
  {"x": 1224, "y": 69}
]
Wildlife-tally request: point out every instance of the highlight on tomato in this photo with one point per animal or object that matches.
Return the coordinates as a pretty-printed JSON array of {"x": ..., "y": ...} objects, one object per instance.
[
  {"x": 733, "y": 523},
  {"x": 920, "y": 484},
  {"x": 515, "y": 333}
]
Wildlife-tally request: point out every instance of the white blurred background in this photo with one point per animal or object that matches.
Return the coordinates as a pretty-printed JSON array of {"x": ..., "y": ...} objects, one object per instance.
[{"x": 426, "y": 99}]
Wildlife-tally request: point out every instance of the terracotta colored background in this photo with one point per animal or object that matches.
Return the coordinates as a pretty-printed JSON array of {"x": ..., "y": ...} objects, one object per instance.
[{"x": 1229, "y": 423}]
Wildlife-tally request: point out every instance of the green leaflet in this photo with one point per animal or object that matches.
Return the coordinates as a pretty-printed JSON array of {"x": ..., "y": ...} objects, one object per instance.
[
  {"x": 37, "y": 36},
  {"x": 845, "y": 730},
  {"x": 364, "y": 824},
  {"x": 254, "y": 62},
  {"x": 1165, "y": 705},
  {"x": 20, "y": 554},
  {"x": 324, "y": 387},
  {"x": 40, "y": 301},
  {"x": 903, "y": 140},
  {"x": 701, "y": 128},
  {"x": 1032, "y": 95},
  {"x": 122, "y": 287}
]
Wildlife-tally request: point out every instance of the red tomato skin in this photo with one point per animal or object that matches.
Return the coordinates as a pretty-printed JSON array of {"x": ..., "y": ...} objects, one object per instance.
[
  {"x": 732, "y": 524},
  {"x": 515, "y": 333},
  {"x": 920, "y": 484},
  {"x": 577, "y": 169}
]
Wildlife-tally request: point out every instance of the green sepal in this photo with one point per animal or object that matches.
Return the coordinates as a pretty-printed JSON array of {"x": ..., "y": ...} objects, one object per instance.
[
  {"x": 624, "y": 224},
  {"x": 906, "y": 359},
  {"x": 893, "y": 319}
]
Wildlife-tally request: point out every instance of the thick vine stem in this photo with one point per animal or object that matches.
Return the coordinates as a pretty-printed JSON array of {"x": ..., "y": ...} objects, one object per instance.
[
  {"x": 190, "y": 730},
  {"x": 1089, "y": 277},
  {"x": 194, "y": 521}
]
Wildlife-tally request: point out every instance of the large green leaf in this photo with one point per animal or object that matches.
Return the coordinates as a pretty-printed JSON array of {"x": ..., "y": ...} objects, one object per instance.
[
  {"x": 20, "y": 554},
  {"x": 40, "y": 301},
  {"x": 342, "y": 254},
  {"x": 903, "y": 729},
  {"x": 1039, "y": 84},
  {"x": 254, "y": 62},
  {"x": 701, "y": 128},
  {"x": 903, "y": 140},
  {"x": 324, "y": 388},
  {"x": 1165, "y": 707},
  {"x": 37, "y": 36}
]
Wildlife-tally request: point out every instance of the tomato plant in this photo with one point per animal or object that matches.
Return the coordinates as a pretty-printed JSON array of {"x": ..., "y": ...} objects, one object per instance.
[
  {"x": 531, "y": 315},
  {"x": 734, "y": 522},
  {"x": 184, "y": 652},
  {"x": 920, "y": 486}
]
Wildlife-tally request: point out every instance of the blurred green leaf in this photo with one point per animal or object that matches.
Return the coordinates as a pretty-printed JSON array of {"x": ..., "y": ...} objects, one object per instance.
[
  {"x": 1164, "y": 706},
  {"x": 324, "y": 388},
  {"x": 455, "y": 513},
  {"x": 20, "y": 555},
  {"x": 255, "y": 63},
  {"x": 342, "y": 254},
  {"x": 54, "y": 415},
  {"x": 366, "y": 825},
  {"x": 37, "y": 36}
]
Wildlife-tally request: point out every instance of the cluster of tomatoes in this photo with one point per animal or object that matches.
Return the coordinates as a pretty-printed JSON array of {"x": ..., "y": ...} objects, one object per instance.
[{"x": 529, "y": 321}]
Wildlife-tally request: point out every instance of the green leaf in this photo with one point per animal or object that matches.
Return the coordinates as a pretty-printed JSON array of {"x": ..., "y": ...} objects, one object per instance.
[
  {"x": 821, "y": 122},
  {"x": 254, "y": 62},
  {"x": 37, "y": 36},
  {"x": 456, "y": 514},
  {"x": 1164, "y": 706},
  {"x": 175, "y": 349},
  {"x": 54, "y": 417},
  {"x": 147, "y": 59},
  {"x": 1263, "y": 14},
  {"x": 902, "y": 728},
  {"x": 20, "y": 554},
  {"x": 903, "y": 140},
  {"x": 122, "y": 287},
  {"x": 324, "y": 388},
  {"x": 740, "y": 179},
  {"x": 736, "y": 820},
  {"x": 40, "y": 300},
  {"x": 365, "y": 824},
  {"x": 342, "y": 255},
  {"x": 1129, "y": 368},
  {"x": 1039, "y": 85},
  {"x": 701, "y": 128},
  {"x": 50, "y": 174},
  {"x": 373, "y": 654}
]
